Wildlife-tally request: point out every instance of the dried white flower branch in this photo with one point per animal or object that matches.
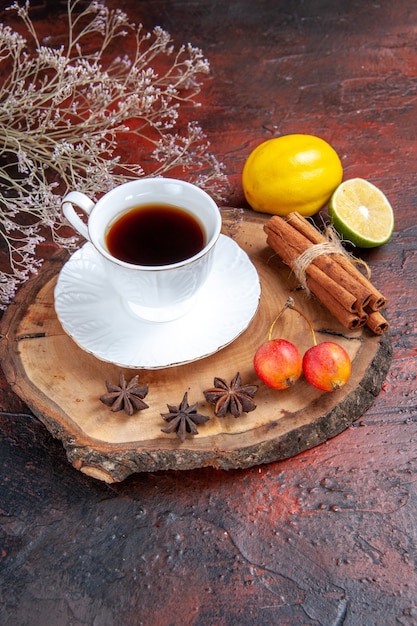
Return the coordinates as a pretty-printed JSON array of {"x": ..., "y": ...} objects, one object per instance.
[{"x": 67, "y": 113}]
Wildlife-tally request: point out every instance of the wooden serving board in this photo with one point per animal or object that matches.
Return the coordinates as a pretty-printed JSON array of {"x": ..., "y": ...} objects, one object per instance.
[{"x": 62, "y": 384}]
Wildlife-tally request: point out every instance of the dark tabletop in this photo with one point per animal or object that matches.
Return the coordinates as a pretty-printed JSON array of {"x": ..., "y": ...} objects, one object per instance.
[{"x": 327, "y": 537}]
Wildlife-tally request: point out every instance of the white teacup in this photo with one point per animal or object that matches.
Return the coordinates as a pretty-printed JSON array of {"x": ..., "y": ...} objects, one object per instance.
[{"x": 161, "y": 292}]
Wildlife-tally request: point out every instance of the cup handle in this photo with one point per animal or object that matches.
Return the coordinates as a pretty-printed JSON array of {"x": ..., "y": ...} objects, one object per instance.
[{"x": 81, "y": 201}]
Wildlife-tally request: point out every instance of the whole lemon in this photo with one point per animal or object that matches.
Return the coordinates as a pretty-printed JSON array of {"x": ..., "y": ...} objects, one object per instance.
[{"x": 291, "y": 173}]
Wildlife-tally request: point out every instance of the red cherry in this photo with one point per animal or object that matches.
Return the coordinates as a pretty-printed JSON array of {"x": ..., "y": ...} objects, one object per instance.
[
  {"x": 327, "y": 366},
  {"x": 278, "y": 363}
]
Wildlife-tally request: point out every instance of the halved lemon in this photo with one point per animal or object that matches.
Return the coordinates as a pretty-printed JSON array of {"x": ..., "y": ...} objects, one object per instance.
[{"x": 361, "y": 213}]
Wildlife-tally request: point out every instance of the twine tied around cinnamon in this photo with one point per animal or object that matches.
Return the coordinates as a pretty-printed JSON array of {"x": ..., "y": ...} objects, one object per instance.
[
  {"x": 333, "y": 245},
  {"x": 327, "y": 271}
]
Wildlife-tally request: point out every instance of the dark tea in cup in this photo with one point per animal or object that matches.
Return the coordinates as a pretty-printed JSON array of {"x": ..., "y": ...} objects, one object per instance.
[
  {"x": 156, "y": 240},
  {"x": 155, "y": 235}
]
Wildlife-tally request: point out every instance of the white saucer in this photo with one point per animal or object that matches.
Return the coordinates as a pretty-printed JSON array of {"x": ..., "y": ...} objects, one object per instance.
[{"x": 99, "y": 323}]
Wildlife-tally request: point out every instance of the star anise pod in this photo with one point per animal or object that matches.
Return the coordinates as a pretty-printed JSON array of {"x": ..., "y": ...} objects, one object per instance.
[
  {"x": 128, "y": 396},
  {"x": 183, "y": 419},
  {"x": 236, "y": 398}
]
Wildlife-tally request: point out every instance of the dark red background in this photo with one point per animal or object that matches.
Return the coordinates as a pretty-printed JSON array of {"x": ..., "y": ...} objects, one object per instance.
[{"x": 325, "y": 538}]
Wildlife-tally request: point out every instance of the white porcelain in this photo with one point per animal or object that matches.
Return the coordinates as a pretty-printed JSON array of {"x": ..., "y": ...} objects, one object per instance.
[
  {"x": 99, "y": 323},
  {"x": 154, "y": 293}
]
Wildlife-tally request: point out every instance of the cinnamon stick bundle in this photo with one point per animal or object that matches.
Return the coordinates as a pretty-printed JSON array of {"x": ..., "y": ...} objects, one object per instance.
[
  {"x": 377, "y": 300},
  {"x": 329, "y": 274}
]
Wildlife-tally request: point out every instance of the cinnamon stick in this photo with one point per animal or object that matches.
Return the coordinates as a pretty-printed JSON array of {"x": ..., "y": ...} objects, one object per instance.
[
  {"x": 377, "y": 300},
  {"x": 338, "y": 300},
  {"x": 377, "y": 323},
  {"x": 330, "y": 276},
  {"x": 348, "y": 319},
  {"x": 283, "y": 235}
]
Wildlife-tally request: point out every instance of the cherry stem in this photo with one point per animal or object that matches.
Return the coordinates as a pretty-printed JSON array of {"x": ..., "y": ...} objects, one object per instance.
[
  {"x": 284, "y": 308},
  {"x": 291, "y": 305}
]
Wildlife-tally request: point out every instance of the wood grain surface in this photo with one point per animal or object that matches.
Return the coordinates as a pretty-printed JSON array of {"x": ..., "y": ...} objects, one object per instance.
[
  {"x": 62, "y": 383},
  {"x": 327, "y": 537}
]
